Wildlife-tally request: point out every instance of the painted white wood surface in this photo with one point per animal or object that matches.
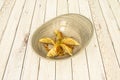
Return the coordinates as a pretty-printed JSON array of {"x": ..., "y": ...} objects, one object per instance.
[
  {"x": 112, "y": 27},
  {"x": 31, "y": 63},
  {"x": 9, "y": 34},
  {"x": 20, "y": 18},
  {"x": 79, "y": 63},
  {"x": 115, "y": 7},
  {"x": 95, "y": 65},
  {"x": 111, "y": 65},
  {"x": 5, "y": 12},
  {"x": 63, "y": 68},
  {"x": 18, "y": 50},
  {"x": 47, "y": 68},
  {"x": 1, "y": 3}
]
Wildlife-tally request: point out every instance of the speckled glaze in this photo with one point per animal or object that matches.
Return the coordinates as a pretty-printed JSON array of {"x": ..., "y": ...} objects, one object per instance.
[{"x": 71, "y": 25}]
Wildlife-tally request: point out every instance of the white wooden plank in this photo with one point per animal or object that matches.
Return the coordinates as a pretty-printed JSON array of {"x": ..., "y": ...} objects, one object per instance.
[
  {"x": 5, "y": 12},
  {"x": 80, "y": 69},
  {"x": 112, "y": 27},
  {"x": 114, "y": 5},
  {"x": 31, "y": 64},
  {"x": 109, "y": 58},
  {"x": 47, "y": 68},
  {"x": 93, "y": 53},
  {"x": 63, "y": 68},
  {"x": 62, "y": 7},
  {"x": 50, "y": 10},
  {"x": 15, "y": 62},
  {"x": 73, "y": 6},
  {"x": 1, "y": 3},
  {"x": 7, "y": 39}
]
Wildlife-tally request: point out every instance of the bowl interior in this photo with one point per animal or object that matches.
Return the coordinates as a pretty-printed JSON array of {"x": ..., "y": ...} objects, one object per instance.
[{"x": 71, "y": 25}]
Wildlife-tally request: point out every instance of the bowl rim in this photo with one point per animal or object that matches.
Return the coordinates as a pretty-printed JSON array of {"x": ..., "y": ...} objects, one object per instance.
[{"x": 70, "y": 57}]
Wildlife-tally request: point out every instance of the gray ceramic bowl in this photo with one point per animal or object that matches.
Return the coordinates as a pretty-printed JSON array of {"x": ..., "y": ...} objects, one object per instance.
[{"x": 71, "y": 25}]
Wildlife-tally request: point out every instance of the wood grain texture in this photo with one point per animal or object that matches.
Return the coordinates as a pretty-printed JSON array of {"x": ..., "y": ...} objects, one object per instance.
[
  {"x": 112, "y": 27},
  {"x": 47, "y": 68},
  {"x": 8, "y": 37},
  {"x": 1, "y": 4},
  {"x": 79, "y": 62},
  {"x": 19, "y": 46},
  {"x": 95, "y": 64},
  {"x": 109, "y": 58},
  {"x": 115, "y": 10},
  {"x": 5, "y": 12},
  {"x": 63, "y": 67},
  {"x": 31, "y": 62},
  {"x": 20, "y": 18}
]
